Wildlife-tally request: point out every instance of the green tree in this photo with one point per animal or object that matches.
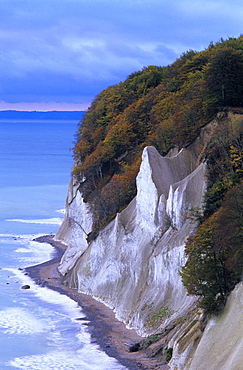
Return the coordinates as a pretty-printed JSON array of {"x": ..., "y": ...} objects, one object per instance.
[
  {"x": 215, "y": 253},
  {"x": 203, "y": 275},
  {"x": 225, "y": 77},
  {"x": 224, "y": 155}
]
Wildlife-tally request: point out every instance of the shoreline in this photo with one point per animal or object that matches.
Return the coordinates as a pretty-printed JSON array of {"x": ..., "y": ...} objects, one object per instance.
[{"x": 110, "y": 334}]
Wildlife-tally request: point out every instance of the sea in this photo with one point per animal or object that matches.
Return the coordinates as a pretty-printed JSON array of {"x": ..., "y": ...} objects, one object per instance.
[{"x": 39, "y": 329}]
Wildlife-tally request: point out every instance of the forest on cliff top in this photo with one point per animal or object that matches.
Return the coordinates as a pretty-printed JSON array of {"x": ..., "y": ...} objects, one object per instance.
[{"x": 166, "y": 107}]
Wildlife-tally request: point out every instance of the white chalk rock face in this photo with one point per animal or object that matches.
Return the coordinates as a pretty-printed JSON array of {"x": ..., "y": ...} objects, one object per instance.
[
  {"x": 134, "y": 263},
  {"x": 75, "y": 227},
  {"x": 221, "y": 346}
]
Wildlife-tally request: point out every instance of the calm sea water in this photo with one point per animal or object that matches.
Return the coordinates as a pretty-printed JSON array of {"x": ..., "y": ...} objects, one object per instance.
[{"x": 38, "y": 327}]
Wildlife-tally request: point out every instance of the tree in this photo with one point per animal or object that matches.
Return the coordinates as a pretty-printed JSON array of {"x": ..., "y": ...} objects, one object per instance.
[
  {"x": 203, "y": 274},
  {"x": 115, "y": 195},
  {"x": 215, "y": 253},
  {"x": 224, "y": 155},
  {"x": 225, "y": 77},
  {"x": 118, "y": 140}
]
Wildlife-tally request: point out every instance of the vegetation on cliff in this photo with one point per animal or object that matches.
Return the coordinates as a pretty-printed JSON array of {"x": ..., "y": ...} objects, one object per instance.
[
  {"x": 166, "y": 107},
  {"x": 215, "y": 253}
]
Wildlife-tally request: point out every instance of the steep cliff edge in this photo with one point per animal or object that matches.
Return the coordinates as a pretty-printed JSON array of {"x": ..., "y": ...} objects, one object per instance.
[
  {"x": 133, "y": 265},
  {"x": 222, "y": 340}
]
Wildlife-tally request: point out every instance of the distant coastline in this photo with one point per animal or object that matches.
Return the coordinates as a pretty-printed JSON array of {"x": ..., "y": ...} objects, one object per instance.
[{"x": 38, "y": 115}]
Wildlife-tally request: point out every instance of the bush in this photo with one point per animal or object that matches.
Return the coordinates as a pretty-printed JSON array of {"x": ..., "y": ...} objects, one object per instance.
[{"x": 215, "y": 254}]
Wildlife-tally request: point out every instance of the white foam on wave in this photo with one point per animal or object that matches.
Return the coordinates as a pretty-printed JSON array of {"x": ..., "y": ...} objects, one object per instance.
[
  {"x": 20, "y": 321},
  {"x": 62, "y": 211},
  {"x": 88, "y": 358},
  {"x": 17, "y": 236},
  {"x": 70, "y": 309},
  {"x": 60, "y": 326},
  {"x": 43, "y": 221},
  {"x": 54, "y": 323},
  {"x": 48, "y": 295},
  {"x": 35, "y": 247},
  {"x": 34, "y": 252},
  {"x": 30, "y": 252}
]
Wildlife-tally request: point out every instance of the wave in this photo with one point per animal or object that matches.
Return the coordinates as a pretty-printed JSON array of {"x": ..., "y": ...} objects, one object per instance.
[
  {"x": 84, "y": 358},
  {"x": 25, "y": 250},
  {"x": 62, "y": 211},
  {"x": 46, "y": 221},
  {"x": 19, "y": 238},
  {"x": 20, "y": 321},
  {"x": 68, "y": 344},
  {"x": 48, "y": 295}
]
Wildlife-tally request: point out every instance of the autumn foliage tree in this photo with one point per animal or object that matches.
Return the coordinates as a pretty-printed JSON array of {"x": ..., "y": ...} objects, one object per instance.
[{"x": 114, "y": 196}]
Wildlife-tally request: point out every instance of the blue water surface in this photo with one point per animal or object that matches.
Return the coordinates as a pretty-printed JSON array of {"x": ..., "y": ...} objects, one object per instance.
[{"x": 38, "y": 327}]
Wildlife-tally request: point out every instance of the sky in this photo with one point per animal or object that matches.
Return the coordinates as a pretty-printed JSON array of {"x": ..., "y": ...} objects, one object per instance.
[{"x": 59, "y": 54}]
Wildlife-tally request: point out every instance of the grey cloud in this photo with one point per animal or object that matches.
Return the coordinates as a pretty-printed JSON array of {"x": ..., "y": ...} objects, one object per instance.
[{"x": 72, "y": 49}]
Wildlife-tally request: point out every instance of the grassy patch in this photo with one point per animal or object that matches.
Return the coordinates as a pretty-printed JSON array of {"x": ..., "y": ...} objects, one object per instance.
[{"x": 163, "y": 313}]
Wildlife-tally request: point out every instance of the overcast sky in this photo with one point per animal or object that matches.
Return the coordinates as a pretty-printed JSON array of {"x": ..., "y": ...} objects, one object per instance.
[{"x": 59, "y": 54}]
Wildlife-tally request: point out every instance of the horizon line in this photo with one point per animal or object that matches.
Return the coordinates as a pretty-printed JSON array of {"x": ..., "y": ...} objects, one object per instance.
[
  {"x": 41, "y": 111},
  {"x": 43, "y": 107}
]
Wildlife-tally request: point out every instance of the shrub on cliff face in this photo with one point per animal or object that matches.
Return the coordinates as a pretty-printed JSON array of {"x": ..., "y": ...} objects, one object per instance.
[
  {"x": 224, "y": 155},
  {"x": 114, "y": 196},
  {"x": 215, "y": 253}
]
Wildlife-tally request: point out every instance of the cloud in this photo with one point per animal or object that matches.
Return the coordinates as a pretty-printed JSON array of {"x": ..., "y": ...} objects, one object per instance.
[{"x": 70, "y": 50}]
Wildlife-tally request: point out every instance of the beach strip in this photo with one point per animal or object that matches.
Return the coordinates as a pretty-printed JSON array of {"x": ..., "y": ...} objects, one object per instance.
[{"x": 110, "y": 334}]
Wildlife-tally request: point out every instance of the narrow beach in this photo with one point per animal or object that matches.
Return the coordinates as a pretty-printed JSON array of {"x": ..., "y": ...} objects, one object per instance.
[{"x": 110, "y": 334}]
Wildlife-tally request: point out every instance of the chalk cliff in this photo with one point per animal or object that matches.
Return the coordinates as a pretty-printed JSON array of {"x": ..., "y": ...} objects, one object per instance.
[
  {"x": 221, "y": 346},
  {"x": 133, "y": 265}
]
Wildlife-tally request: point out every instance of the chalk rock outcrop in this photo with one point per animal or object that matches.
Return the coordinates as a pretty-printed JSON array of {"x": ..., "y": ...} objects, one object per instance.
[
  {"x": 75, "y": 227},
  {"x": 221, "y": 346},
  {"x": 133, "y": 265}
]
